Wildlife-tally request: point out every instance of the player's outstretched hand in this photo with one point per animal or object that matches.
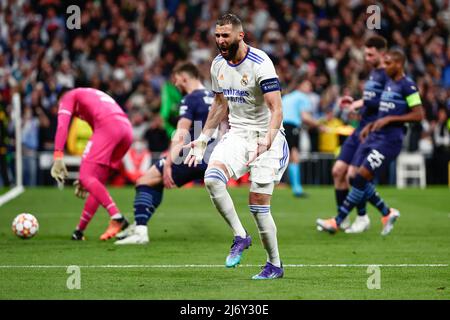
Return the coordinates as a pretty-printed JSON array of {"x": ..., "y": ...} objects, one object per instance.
[
  {"x": 167, "y": 177},
  {"x": 262, "y": 147},
  {"x": 59, "y": 171},
  {"x": 196, "y": 153},
  {"x": 80, "y": 192}
]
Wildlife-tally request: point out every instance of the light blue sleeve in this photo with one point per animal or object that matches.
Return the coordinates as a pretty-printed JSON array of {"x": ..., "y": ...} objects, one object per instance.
[{"x": 305, "y": 104}]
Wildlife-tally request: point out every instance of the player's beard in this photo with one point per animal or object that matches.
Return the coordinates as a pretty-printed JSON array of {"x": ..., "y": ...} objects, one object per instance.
[{"x": 232, "y": 51}]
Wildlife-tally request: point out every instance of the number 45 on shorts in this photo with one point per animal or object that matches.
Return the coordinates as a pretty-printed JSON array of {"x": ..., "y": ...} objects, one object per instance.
[{"x": 375, "y": 159}]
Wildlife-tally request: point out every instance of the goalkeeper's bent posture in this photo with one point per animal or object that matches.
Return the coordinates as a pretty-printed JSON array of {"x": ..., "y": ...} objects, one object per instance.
[{"x": 110, "y": 141}]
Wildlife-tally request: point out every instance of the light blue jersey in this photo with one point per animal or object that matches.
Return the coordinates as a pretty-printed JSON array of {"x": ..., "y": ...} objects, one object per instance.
[{"x": 294, "y": 104}]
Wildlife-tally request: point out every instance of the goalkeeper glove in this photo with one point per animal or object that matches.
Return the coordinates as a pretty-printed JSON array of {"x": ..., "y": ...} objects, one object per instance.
[
  {"x": 59, "y": 170},
  {"x": 80, "y": 192}
]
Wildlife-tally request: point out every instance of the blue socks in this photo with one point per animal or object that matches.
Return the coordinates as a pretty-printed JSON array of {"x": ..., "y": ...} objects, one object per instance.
[
  {"x": 355, "y": 196},
  {"x": 374, "y": 198},
  {"x": 361, "y": 208},
  {"x": 146, "y": 201},
  {"x": 294, "y": 178},
  {"x": 340, "y": 196},
  {"x": 361, "y": 192}
]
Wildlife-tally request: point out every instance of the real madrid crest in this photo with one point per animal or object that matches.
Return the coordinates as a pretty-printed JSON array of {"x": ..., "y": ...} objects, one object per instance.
[{"x": 244, "y": 80}]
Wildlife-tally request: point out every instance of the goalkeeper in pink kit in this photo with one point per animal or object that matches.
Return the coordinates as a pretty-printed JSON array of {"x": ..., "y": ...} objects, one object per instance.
[{"x": 110, "y": 141}]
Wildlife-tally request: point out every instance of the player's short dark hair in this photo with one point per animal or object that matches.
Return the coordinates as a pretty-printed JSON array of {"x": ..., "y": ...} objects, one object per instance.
[
  {"x": 229, "y": 18},
  {"x": 378, "y": 42},
  {"x": 397, "y": 55},
  {"x": 189, "y": 68}
]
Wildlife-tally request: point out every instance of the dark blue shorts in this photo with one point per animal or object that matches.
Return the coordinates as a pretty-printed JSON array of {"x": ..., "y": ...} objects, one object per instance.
[
  {"x": 377, "y": 152},
  {"x": 348, "y": 149},
  {"x": 182, "y": 173}
]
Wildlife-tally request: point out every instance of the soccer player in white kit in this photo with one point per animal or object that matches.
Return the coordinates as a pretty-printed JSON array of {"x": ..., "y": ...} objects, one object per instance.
[{"x": 246, "y": 87}]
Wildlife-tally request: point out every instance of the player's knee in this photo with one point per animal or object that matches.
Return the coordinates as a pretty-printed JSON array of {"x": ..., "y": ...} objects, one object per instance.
[
  {"x": 350, "y": 176},
  {"x": 365, "y": 173},
  {"x": 215, "y": 181},
  {"x": 261, "y": 193},
  {"x": 214, "y": 186},
  {"x": 142, "y": 180},
  {"x": 294, "y": 156},
  {"x": 338, "y": 172},
  {"x": 151, "y": 178}
]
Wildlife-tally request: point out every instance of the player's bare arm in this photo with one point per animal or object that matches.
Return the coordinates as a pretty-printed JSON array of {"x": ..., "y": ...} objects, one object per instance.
[
  {"x": 416, "y": 114},
  {"x": 178, "y": 140},
  {"x": 308, "y": 119},
  {"x": 218, "y": 111},
  {"x": 349, "y": 103},
  {"x": 356, "y": 105},
  {"x": 365, "y": 131}
]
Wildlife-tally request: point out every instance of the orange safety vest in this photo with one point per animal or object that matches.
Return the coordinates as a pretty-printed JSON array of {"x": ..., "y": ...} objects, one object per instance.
[{"x": 136, "y": 163}]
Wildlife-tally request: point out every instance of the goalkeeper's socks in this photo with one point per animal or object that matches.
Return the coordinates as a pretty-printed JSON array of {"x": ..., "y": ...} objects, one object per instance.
[
  {"x": 90, "y": 208},
  {"x": 146, "y": 201},
  {"x": 374, "y": 198},
  {"x": 93, "y": 177},
  {"x": 355, "y": 197}
]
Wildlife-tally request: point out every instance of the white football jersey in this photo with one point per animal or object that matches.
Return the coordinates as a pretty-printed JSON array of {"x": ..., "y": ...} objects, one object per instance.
[{"x": 243, "y": 85}]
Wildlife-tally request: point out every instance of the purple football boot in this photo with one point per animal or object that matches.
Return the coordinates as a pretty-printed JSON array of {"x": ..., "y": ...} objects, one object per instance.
[
  {"x": 270, "y": 272},
  {"x": 238, "y": 246}
]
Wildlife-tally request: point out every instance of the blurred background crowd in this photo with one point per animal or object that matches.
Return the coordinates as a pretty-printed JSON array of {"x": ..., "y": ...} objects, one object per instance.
[{"x": 128, "y": 48}]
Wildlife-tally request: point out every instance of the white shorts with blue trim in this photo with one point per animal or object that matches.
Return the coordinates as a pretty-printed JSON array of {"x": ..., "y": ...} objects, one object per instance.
[{"x": 234, "y": 148}]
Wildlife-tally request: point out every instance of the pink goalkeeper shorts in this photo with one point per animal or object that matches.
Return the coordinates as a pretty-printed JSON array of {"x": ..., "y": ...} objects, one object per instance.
[{"x": 110, "y": 142}]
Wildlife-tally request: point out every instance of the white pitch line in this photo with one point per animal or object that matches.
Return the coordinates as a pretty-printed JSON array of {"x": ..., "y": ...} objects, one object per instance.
[
  {"x": 11, "y": 194},
  {"x": 193, "y": 266}
]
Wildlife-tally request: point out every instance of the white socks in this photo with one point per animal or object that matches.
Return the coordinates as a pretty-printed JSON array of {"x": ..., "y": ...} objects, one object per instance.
[
  {"x": 267, "y": 232},
  {"x": 215, "y": 182}
]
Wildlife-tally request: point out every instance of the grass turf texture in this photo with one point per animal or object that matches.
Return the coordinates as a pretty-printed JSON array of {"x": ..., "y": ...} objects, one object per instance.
[{"x": 187, "y": 230}]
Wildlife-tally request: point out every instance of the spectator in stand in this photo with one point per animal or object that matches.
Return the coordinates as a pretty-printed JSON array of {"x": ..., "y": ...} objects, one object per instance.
[
  {"x": 122, "y": 44},
  {"x": 30, "y": 144},
  {"x": 3, "y": 146},
  {"x": 441, "y": 142},
  {"x": 156, "y": 137},
  {"x": 137, "y": 161}
]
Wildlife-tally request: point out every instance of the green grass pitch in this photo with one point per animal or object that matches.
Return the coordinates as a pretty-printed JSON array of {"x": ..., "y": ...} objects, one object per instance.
[{"x": 187, "y": 230}]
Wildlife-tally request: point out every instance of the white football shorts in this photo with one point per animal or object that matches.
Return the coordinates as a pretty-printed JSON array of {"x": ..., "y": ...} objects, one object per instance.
[{"x": 235, "y": 147}]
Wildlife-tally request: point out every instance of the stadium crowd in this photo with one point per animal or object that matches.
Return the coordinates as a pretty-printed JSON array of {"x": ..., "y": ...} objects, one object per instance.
[{"x": 128, "y": 48}]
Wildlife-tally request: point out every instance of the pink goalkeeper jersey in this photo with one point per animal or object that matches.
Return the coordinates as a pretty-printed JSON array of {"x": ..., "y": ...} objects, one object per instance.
[{"x": 88, "y": 104}]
